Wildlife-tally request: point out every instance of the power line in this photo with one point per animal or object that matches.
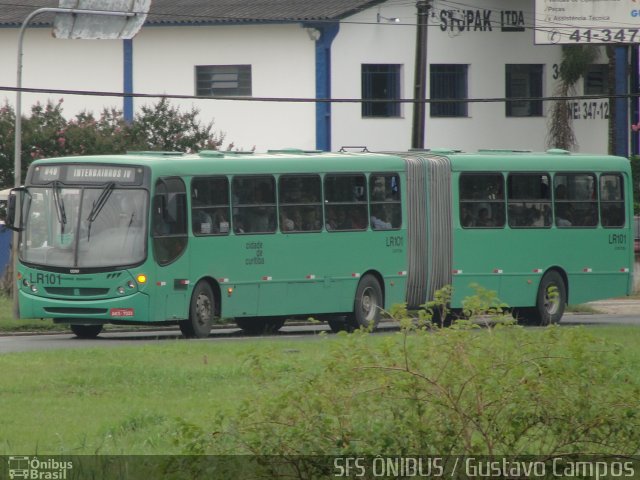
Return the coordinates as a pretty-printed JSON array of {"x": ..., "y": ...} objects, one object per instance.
[{"x": 96, "y": 93}]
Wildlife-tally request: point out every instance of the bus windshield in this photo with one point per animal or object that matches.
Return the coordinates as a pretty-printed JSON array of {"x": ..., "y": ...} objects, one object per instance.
[{"x": 84, "y": 227}]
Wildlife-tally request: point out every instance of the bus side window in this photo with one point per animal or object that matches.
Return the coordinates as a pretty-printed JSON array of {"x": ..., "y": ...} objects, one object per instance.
[
  {"x": 210, "y": 206},
  {"x": 482, "y": 200},
  {"x": 169, "y": 221},
  {"x": 300, "y": 198},
  {"x": 384, "y": 195},
  {"x": 254, "y": 204},
  {"x": 575, "y": 200},
  {"x": 612, "y": 200},
  {"x": 529, "y": 200},
  {"x": 345, "y": 198}
]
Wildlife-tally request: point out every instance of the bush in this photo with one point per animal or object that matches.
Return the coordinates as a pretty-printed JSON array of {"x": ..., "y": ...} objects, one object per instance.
[{"x": 465, "y": 390}]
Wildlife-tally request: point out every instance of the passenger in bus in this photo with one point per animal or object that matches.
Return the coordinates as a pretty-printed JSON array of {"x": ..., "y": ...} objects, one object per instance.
[
  {"x": 535, "y": 218},
  {"x": 465, "y": 216},
  {"x": 381, "y": 218},
  {"x": 311, "y": 223},
  {"x": 378, "y": 192},
  {"x": 483, "y": 219},
  {"x": 344, "y": 222},
  {"x": 286, "y": 223},
  {"x": 238, "y": 224},
  {"x": 358, "y": 219},
  {"x": 202, "y": 222},
  {"x": 221, "y": 223},
  {"x": 331, "y": 220}
]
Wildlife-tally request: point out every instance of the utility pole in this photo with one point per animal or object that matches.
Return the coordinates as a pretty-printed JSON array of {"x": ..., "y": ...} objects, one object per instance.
[{"x": 420, "y": 75}]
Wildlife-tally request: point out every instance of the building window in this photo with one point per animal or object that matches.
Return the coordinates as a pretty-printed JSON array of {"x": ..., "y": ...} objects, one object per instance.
[
  {"x": 223, "y": 80},
  {"x": 524, "y": 81},
  {"x": 380, "y": 82},
  {"x": 596, "y": 80},
  {"x": 449, "y": 81}
]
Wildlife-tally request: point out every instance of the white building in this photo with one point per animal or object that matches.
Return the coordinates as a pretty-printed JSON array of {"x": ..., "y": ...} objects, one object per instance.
[{"x": 308, "y": 49}]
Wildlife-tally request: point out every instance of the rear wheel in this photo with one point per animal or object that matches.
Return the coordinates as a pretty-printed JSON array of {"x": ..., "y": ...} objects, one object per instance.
[
  {"x": 201, "y": 312},
  {"x": 368, "y": 304},
  {"x": 260, "y": 325},
  {"x": 550, "y": 302},
  {"x": 86, "y": 331}
]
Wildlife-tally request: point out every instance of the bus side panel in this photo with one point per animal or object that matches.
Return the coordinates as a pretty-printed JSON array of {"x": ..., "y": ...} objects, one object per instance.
[
  {"x": 296, "y": 274},
  {"x": 596, "y": 261}
]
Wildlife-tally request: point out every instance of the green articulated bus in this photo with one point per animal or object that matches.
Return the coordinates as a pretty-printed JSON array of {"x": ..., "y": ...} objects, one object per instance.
[{"x": 153, "y": 237}]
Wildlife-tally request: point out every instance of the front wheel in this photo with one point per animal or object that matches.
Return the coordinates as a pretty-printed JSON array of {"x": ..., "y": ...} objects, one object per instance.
[
  {"x": 86, "y": 331},
  {"x": 551, "y": 300},
  {"x": 368, "y": 304},
  {"x": 201, "y": 312}
]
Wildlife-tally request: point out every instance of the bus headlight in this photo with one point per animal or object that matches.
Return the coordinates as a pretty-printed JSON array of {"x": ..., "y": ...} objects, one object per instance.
[
  {"x": 121, "y": 290},
  {"x": 34, "y": 288},
  {"x": 130, "y": 284}
]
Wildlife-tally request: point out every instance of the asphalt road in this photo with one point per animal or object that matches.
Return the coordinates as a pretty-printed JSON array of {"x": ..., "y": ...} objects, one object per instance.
[{"x": 26, "y": 343}]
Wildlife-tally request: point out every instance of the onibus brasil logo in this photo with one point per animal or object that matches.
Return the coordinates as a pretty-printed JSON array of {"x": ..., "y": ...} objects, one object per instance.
[{"x": 37, "y": 469}]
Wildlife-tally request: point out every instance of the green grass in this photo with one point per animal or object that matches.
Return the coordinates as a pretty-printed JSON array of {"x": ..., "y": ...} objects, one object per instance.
[
  {"x": 133, "y": 399},
  {"x": 127, "y": 399},
  {"x": 8, "y": 324}
]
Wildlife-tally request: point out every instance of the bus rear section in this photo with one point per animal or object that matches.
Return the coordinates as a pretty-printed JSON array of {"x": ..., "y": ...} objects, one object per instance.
[{"x": 539, "y": 229}]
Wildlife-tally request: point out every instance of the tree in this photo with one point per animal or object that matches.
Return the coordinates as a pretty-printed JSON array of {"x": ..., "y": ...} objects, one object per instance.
[
  {"x": 46, "y": 133},
  {"x": 575, "y": 61}
]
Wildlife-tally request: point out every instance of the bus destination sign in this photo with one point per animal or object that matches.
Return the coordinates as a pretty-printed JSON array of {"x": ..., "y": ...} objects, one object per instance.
[{"x": 87, "y": 174}]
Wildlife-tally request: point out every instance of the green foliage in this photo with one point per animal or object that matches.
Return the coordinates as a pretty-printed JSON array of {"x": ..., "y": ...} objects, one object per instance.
[
  {"x": 501, "y": 390},
  {"x": 163, "y": 127},
  {"x": 47, "y": 133}
]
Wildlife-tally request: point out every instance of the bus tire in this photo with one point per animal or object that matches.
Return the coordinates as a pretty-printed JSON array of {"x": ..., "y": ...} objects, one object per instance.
[
  {"x": 201, "y": 312},
  {"x": 260, "y": 325},
  {"x": 86, "y": 331},
  {"x": 368, "y": 304},
  {"x": 551, "y": 300}
]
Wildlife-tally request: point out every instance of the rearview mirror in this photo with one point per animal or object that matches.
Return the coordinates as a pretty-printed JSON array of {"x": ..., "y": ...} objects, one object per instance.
[{"x": 13, "y": 220}]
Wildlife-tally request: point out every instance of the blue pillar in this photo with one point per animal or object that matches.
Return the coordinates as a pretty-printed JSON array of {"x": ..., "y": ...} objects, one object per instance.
[
  {"x": 328, "y": 32},
  {"x": 622, "y": 103},
  {"x": 127, "y": 102}
]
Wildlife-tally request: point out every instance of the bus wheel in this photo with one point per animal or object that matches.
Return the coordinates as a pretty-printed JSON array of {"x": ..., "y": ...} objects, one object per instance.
[
  {"x": 550, "y": 302},
  {"x": 368, "y": 304},
  {"x": 86, "y": 331},
  {"x": 260, "y": 325},
  {"x": 201, "y": 312}
]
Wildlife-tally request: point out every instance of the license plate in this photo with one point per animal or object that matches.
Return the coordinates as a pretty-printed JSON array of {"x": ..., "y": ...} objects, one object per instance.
[{"x": 122, "y": 312}]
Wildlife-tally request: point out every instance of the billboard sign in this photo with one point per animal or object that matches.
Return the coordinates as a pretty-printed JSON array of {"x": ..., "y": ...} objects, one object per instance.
[{"x": 587, "y": 21}]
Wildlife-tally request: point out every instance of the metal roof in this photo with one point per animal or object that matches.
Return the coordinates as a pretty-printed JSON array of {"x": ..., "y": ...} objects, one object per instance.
[{"x": 194, "y": 12}]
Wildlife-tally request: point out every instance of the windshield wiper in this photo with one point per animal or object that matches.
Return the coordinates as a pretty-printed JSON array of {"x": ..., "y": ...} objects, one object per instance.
[
  {"x": 60, "y": 211},
  {"x": 98, "y": 205}
]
